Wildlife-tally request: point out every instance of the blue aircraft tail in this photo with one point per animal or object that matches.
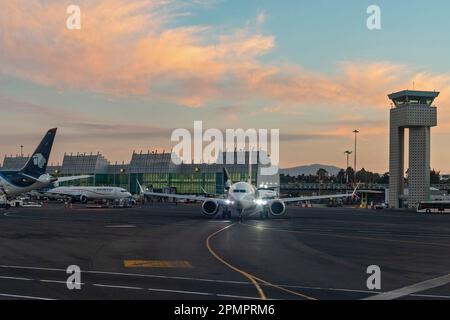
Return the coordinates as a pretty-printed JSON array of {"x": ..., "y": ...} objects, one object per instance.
[{"x": 37, "y": 164}]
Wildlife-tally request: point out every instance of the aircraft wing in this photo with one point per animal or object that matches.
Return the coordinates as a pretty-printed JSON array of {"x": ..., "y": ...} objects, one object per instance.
[
  {"x": 65, "y": 179},
  {"x": 180, "y": 196},
  {"x": 330, "y": 196},
  {"x": 176, "y": 196},
  {"x": 213, "y": 194}
]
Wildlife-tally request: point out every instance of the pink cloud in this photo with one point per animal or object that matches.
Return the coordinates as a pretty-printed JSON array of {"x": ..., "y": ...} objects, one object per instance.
[{"x": 122, "y": 49}]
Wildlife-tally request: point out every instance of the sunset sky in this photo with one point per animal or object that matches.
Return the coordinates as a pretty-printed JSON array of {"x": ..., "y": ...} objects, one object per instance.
[{"x": 138, "y": 69}]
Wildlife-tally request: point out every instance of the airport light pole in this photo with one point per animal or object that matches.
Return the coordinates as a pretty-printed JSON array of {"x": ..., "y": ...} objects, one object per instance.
[
  {"x": 348, "y": 153},
  {"x": 356, "y": 131}
]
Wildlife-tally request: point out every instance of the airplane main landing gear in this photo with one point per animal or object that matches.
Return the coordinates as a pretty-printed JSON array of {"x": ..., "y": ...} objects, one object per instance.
[
  {"x": 264, "y": 215},
  {"x": 4, "y": 202}
]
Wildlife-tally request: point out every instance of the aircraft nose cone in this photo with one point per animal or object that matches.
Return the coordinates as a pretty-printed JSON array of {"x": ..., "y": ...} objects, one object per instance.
[
  {"x": 239, "y": 201},
  {"x": 239, "y": 205}
]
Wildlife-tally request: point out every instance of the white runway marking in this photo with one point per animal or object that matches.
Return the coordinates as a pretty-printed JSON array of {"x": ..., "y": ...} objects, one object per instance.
[
  {"x": 128, "y": 274},
  {"x": 132, "y": 288},
  {"x": 330, "y": 289},
  {"x": 349, "y": 236},
  {"x": 181, "y": 291},
  {"x": 15, "y": 278},
  {"x": 176, "y": 291},
  {"x": 23, "y": 297},
  {"x": 213, "y": 294},
  {"x": 418, "y": 287},
  {"x": 219, "y": 221},
  {"x": 61, "y": 282},
  {"x": 115, "y": 287},
  {"x": 203, "y": 280},
  {"x": 205, "y": 294}
]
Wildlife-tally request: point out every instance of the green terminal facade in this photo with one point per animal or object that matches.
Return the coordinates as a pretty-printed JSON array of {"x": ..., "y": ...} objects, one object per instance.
[{"x": 152, "y": 170}]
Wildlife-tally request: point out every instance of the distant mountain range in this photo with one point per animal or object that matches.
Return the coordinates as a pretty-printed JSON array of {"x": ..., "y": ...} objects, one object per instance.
[{"x": 310, "y": 170}]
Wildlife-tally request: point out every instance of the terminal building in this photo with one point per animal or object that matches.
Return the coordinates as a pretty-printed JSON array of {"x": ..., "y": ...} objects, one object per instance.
[{"x": 153, "y": 170}]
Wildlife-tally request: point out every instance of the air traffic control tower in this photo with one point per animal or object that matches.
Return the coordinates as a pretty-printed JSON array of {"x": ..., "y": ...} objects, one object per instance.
[{"x": 412, "y": 110}]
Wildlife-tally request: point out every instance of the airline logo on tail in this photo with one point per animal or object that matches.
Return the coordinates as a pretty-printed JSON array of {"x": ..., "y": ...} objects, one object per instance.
[{"x": 39, "y": 160}]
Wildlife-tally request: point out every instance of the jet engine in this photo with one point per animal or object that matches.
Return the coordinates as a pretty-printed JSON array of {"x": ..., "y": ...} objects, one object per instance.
[
  {"x": 46, "y": 179},
  {"x": 83, "y": 199},
  {"x": 277, "y": 208},
  {"x": 210, "y": 208}
]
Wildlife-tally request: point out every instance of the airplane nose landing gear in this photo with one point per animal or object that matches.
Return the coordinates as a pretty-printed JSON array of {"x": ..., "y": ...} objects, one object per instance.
[
  {"x": 241, "y": 215},
  {"x": 226, "y": 213}
]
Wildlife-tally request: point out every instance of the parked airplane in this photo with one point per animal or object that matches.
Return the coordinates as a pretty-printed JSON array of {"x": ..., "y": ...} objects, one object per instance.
[
  {"x": 85, "y": 194},
  {"x": 245, "y": 199},
  {"x": 33, "y": 175}
]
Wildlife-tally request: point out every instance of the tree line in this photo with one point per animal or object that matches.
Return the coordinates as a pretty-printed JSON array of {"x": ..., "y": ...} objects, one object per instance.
[{"x": 344, "y": 176}]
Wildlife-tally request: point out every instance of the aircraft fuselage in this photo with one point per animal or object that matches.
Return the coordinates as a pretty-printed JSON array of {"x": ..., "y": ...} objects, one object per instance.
[{"x": 13, "y": 183}]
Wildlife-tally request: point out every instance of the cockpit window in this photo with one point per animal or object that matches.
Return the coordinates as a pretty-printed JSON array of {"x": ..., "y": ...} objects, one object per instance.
[{"x": 239, "y": 191}]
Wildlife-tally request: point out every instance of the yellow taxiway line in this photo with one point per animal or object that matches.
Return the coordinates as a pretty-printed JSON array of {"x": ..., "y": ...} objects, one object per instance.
[{"x": 253, "y": 279}]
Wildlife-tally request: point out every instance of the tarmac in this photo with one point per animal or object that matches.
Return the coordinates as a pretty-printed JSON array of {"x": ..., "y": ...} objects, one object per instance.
[{"x": 167, "y": 251}]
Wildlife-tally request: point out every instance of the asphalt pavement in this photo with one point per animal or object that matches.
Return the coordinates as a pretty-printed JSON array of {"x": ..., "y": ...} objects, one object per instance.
[{"x": 167, "y": 251}]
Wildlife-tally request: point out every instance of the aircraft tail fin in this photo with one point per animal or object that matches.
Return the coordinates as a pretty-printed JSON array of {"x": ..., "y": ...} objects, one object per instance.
[
  {"x": 37, "y": 164},
  {"x": 140, "y": 187},
  {"x": 226, "y": 179},
  {"x": 354, "y": 193}
]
